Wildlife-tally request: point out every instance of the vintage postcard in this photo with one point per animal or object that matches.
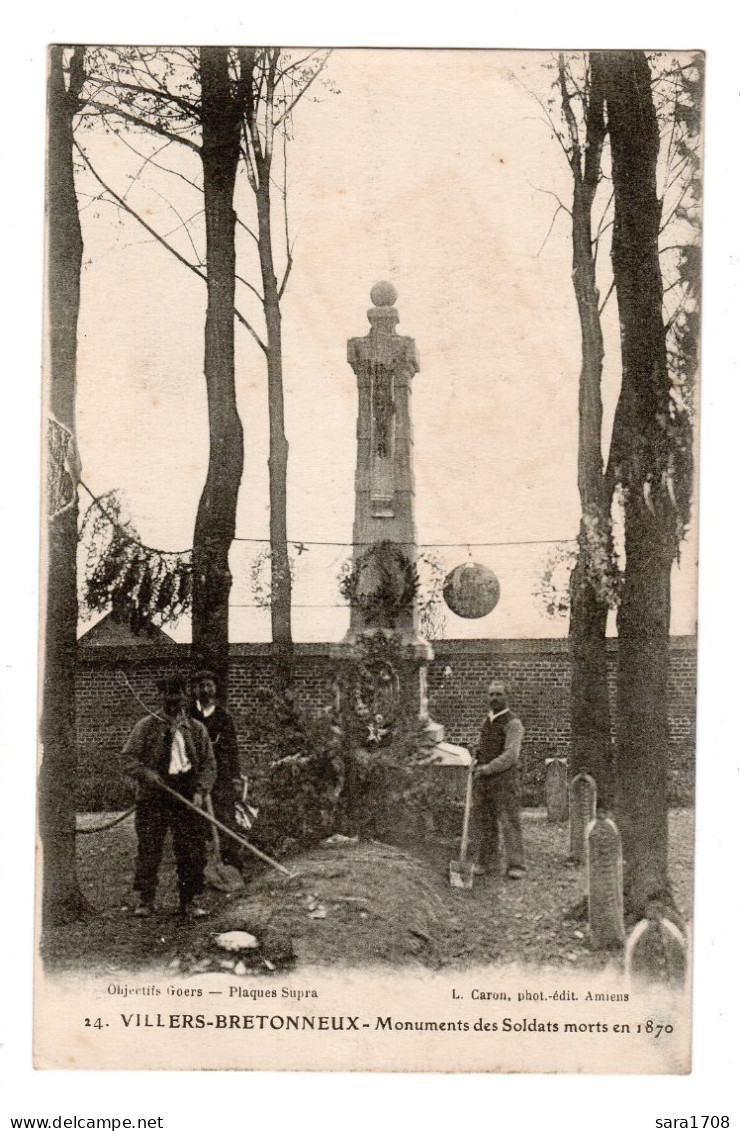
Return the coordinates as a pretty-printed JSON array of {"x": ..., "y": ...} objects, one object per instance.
[{"x": 370, "y": 559}]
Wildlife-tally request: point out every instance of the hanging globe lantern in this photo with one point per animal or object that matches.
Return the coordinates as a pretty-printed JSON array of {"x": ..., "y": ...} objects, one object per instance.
[{"x": 471, "y": 590}]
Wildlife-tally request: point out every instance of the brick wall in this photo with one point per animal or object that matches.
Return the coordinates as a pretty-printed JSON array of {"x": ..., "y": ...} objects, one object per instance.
[{"x": 537, "y": 671}]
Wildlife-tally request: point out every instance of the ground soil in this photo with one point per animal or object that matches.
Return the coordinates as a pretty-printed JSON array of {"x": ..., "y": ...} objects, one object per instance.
[{"x": 353, "y": 904}]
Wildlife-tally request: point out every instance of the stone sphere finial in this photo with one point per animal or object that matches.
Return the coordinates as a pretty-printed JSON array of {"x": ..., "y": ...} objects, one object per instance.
[{"x": 383, "y": 294}]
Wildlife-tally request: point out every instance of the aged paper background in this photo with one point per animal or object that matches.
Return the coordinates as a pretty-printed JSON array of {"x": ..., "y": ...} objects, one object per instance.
[{"x": 715, "y": 1045}]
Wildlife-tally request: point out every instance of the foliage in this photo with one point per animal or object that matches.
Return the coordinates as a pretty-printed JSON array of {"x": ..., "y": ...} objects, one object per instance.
[
  {"x": 386, "y": 793},
  {"x": 348, "y": 768},
  {"x": 298, "y": 795},
  {"x": 552, "y": 589},
  {"x": 262, "y": 573},
  {"x": 139, "y": 584},
  {"x": 429, "y": 601},
  {"x": 597, "y": 544},
  {"x": 383, "y": 584},
  {"x": 400, "y": 584}
]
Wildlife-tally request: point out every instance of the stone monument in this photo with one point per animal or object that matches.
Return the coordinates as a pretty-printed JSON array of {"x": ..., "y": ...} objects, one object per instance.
[
  {"x": 384, "y": 532},
  {"x": 384, "y": 580}
]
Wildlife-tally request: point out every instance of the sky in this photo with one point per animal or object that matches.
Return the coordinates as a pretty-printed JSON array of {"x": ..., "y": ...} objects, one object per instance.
[{"x": 437, "y": 171}]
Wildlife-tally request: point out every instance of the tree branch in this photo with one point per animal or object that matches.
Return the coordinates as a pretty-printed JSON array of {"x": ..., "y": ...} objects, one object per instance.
[
  {"x": 104, "y": 109},
  {"x": 549, "y": 230},
  {"x": 161, "y": 240},
  {"x": 289, "y": 109}
]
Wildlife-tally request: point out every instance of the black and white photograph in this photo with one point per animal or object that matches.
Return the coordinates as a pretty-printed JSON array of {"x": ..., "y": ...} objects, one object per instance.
[{"x": 369, "y": 537}]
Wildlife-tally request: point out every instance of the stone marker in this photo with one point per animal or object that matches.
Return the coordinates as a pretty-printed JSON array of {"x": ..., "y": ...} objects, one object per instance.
[
  {"x": 656, "y": 952},
  {"x": 582, "y": 812},
  {"x": 604, "y": 883},
  {"x": 556, "y": 789}
]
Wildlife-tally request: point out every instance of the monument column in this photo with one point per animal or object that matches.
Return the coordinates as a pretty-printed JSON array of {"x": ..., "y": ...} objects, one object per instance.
[{"x": 384, "y": 532}]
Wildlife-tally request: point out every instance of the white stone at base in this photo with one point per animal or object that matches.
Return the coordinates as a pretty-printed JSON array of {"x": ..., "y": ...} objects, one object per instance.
[{"x": 447, "y": 754}]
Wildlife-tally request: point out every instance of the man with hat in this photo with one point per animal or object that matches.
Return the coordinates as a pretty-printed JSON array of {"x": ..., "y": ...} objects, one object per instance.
[
  {"x": 227, "y": 788},
  {"x": 168, "y": 747},
  {"x": 496, "y": 789}
]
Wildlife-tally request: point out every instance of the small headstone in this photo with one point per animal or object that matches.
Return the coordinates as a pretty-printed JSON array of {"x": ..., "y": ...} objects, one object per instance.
[
  {"x": 582, "y": 812},
  {"x": 656, "y": 953},
  {"x": 556, "y": 789},
  {"x": 604, "y": 880}
]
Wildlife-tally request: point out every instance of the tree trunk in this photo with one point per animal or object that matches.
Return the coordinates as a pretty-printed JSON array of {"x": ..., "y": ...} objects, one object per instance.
[
  {"x": 642, "y": 448},
  {"x": 280, "y": 578},
  {"x": 62, "y": 899},
  {"x": 590, "y": 715},
  {"x": 215, "y": 524},
  {"x": 590, "y": 744}
]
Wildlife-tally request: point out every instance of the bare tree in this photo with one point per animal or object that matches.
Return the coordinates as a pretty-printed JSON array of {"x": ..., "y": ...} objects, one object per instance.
[
  {"x": 651, "y": 455},
  {"x": 158, "y": 92},
  {"x": 221, "y": 106},
  {"x": 274, "y": 84},
  {"x": 592, "y": 581},
  {"x": 62, "y": 899}
]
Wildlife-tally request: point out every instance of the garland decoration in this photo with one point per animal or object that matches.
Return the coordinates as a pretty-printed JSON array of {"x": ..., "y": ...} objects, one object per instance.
[
  {"x": 395, "y": 588},
  {"x": 139, "y": 584}
]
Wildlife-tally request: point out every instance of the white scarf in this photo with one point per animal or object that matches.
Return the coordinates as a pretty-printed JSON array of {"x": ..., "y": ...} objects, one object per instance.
[{"x": 179, "y": 761}]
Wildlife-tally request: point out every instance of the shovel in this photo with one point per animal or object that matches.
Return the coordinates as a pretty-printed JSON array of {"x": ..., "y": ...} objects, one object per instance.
[
  {"x": 461, "y": 871},
  {"x": 222, "y": 877}
]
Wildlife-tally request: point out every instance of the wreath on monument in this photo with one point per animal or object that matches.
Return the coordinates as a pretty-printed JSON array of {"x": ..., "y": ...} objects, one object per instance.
[{"x": 396, "y": 583}]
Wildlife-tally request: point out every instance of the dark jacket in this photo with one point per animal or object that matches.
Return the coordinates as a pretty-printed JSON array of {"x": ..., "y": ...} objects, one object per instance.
[
  {"x": 150, "y": 743},
  {"x": 222, "y": 733}
]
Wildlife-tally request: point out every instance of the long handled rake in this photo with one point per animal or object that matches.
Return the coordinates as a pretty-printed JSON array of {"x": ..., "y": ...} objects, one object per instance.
[{"x": 225, "y": 829}]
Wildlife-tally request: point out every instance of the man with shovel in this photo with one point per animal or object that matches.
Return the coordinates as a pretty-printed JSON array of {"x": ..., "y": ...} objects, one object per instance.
[
  {"x": 169, "y": 749},
  {"x": 496, "y": 794}
]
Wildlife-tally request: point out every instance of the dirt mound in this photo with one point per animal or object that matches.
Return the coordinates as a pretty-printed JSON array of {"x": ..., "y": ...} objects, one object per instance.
[{"x": 350, "y": 903}]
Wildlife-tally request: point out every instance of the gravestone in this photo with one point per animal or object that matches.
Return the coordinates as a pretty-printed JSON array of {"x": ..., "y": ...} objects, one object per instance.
[
  {"x": 556, "y": 789},
  {"x": 656, "y": 953},
  {"x": 604, "y": 884},
  {"x": 582, "y": 797}
]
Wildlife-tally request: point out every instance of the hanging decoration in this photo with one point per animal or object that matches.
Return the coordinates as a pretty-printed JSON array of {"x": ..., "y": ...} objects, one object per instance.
[
  {"x": 139, "y": 584},
  {"x": 471, "y": 590}
]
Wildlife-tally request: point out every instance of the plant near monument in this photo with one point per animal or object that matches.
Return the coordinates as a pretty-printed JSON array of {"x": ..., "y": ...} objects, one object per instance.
[
  {"x": 552, "y": 587},
  {"x": 298, "y": 793},
  {"x": 275, "y": 82},
  {"x": 429, "y": 600},
  {"x": 593, "y": 583}
]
